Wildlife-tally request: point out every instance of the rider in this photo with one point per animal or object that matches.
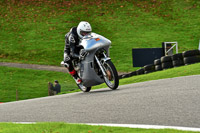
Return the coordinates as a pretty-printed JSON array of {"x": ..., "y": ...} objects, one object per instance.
[{"x": 72, "y": 39}]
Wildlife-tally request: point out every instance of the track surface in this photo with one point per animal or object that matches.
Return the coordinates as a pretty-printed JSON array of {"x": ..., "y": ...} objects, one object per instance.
[{"x": 169, "y": 102}]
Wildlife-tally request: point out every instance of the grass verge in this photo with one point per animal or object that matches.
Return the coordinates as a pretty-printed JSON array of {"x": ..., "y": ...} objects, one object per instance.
[
  {"x": 33, "y": 83},
  {"x": 76, "y": 128},
  {"x": 30, "y": 83}
]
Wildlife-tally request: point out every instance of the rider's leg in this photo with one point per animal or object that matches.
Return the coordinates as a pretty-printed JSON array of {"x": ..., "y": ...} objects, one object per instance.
[
  {"x": 70, "y": 67},
  {"x": 73, "y": 73}
]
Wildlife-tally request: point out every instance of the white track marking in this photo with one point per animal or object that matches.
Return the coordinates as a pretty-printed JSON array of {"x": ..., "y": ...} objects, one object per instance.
[{"x": 146, "y": 126}]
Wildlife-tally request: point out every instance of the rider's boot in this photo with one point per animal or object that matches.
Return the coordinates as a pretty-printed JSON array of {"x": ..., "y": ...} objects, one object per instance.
[{"x": 75, "y": 76}]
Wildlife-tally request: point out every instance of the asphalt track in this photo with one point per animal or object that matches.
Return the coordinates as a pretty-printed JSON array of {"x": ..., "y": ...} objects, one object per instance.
[{"x": 169, "y": 102}]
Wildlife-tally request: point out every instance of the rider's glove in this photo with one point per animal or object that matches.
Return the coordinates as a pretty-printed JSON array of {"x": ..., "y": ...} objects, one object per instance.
[
  {"x": 82, "y": 55},
  {"x": 67, "y": 58}
]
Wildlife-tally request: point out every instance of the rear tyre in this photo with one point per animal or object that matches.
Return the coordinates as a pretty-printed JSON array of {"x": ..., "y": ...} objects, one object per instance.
[
  {"x": 83, "y": 88},
  {"x": 111, "y": 79}
]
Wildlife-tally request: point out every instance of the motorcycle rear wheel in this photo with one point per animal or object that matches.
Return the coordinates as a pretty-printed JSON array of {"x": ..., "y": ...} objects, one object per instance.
[
  {"x": 83, "y": 88},
  {"x": 111, "y": 79}
]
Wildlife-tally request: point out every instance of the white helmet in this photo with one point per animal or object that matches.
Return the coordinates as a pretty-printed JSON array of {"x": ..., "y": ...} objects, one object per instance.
[{"x": 84, "y": 28}]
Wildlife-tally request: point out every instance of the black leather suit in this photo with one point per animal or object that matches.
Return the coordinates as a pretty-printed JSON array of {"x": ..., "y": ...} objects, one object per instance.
[{"x": 70, "y": 50}]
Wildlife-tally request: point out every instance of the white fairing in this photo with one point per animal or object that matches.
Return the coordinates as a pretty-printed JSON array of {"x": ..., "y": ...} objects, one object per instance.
[{"x": 94, "y": 41}]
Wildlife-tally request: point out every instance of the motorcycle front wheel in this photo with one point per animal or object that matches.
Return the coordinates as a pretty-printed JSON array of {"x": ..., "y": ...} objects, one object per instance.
[
  {"x": 111, "y": 79},
  {"x": 83, "y": 88}
]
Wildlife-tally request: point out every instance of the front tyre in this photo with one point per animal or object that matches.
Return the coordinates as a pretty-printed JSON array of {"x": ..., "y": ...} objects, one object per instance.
[{"x": 111, "y": 79}]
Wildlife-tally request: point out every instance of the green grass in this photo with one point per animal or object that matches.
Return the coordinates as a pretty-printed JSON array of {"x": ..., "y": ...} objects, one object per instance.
[
  {"x": 33, "y": 83},
  {"x": 30, "y": 83},
  {"x": 33, "y": 32},
  {"x": 75, "y": 128}
]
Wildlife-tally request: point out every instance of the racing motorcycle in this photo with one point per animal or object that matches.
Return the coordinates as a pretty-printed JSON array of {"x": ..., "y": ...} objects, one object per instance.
[{"x": 95, "y": 66}]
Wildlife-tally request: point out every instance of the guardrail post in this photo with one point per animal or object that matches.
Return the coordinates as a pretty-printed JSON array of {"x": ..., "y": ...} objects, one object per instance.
[{"x": 17, "y": 95}]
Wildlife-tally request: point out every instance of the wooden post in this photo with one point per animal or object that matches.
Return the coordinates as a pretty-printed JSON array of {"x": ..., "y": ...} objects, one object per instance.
[
  {"x": 50, "y": 91},
  {"x": 17, "y": 95}
]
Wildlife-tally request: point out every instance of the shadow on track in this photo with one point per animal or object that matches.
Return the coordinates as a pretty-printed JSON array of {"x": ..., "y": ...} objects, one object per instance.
[{"x": 98, "y": 91}]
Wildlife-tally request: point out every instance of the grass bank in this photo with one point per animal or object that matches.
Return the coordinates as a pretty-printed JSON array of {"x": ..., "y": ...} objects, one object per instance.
[
  {"x": 75, "y": 128},
  {"x": 30, "y": 83},
  {"x": 33, "y": 31}
]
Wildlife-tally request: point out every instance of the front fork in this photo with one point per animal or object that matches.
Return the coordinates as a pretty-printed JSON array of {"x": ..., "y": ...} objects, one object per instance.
[{"x": 101, "y": 65}]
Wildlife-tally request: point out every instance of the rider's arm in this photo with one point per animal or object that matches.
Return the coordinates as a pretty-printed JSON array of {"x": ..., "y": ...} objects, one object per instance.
[
  {"x": 72, "y": 44},
  {"x": 66, "y": 49}
]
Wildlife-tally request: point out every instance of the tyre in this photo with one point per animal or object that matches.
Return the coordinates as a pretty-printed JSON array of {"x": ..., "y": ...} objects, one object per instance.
[
  {"x": 120, "y": 76},
  {"x": 140, "y": 71},
  {"x": 150, "y": 67},
  {"x": 191, "y": 53},
  {"x": 177, "y": 63},
  {"x": 167, "y": 65},
  {"x": 83, "y": 88},
  {"x": 191, "y": 59},
  {"x": 125, "y": 75},
  {"x": 150, "y": 71},
  {"x": 157, "y": 62},
  {"x": 166, "y": 59},
  {"x": 132, "y": 73},
  {"x": 111, "y": 79},
  {"x": 178, "y": 56},
  {"x": 158, "y": 67}
]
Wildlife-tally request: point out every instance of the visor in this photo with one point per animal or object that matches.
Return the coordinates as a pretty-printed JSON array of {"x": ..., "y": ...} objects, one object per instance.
[{"x": 84, "y": 33}]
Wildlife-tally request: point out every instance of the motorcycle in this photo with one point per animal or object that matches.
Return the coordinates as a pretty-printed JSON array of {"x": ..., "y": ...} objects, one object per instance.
[{"x": 96, "y": 66}]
